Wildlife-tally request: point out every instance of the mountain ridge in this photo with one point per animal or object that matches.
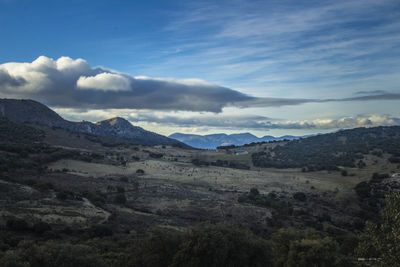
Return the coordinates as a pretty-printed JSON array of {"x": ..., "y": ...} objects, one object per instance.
[
  {"x": 212, "y": 141},
  {"x": 30, "y": 111}
]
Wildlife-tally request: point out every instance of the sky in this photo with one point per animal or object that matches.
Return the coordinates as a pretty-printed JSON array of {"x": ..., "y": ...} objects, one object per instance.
[{"x": 202, "y": 67}]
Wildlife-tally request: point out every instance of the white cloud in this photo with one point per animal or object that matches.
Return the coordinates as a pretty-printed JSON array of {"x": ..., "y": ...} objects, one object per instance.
[
  {"x": 68, "y": 82},
  {"x": 226, "y": 122},
  {"x": 105, "y": 82},
  {"x": 255, "y": 122},
  {"x": 78, "y": 65}
]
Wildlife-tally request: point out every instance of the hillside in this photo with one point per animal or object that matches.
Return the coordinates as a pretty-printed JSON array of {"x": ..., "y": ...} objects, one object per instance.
[
  {"x": 345, "y": 148},
  {"x": 36, "y": 113}
]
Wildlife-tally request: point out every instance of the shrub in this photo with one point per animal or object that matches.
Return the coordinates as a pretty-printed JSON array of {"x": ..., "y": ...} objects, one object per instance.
[
  {"x": 382, "y": 240},
  {"x": 300, "y": 196},
  {"x": 17, "y": 225},
  {"x": 253, "y": 193},
  {"x": 100, "y": 230},
  {"x": 124, "y": 179},
  {"x": 363, "y": 189},
  {"x": 222, "y": 245},
  {"x": 135, "y": 158},
  {"x": 155, "y": 155},
  {"x": 41, "y": 227},
  {"x": 62, "y": 195},
  {"x": 377, "y": 178},
  {"x": 156, "y": 250},
  {"x": 305, "y": 248},
  {"x": 120, "y": 198}
]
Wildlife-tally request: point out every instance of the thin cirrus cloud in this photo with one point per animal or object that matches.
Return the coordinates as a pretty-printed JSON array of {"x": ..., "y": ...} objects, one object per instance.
[
  {"x": 69, "y": 83},
  {"x": 304, "y": 48}
]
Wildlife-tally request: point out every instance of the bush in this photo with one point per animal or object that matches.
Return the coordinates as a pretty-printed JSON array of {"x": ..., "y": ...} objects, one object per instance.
[
  {"x": 377, "y": 178},
  {"x": 156, "y": 250},
  {"x": 222, "y": 245},
  {"x": 155, "y": 155},
  {"x": 253, "y": 193},
  {"x": 100, "y": 230},
  {"x": 124, "y": 179},
  {"x": 62, "y": 195},
  {"x": 381, "y": 240},
  {"x": 305, "y": 248},
  {"x": 394, "y": 159},
  {"x": 120, "y": 189},
  {"x": 120, "y": 199},
  {"x": 300, "y": 196},
  {"x": 363, "y": 189},
  {"x": 52, "y": 254},
  {"x": 135, "y": 158},
  {"x": 97, "y": 198},
  {"x": 17, "y": 225},
  {"x": 41, "y": 227}
]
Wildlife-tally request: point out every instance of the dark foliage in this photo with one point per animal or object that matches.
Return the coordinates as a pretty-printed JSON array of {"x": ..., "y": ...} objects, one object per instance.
[
  {"x": 120, "y": 198},
  {"x": 328, "y": 151},
  {"x": 271, "y": 201},
  {"x": 17, "y": 225},
  {"x": 155, "y": 155},
  {"x": 300, "y": 196},
  {"x": 221, "y": 163},
  {"x": 363, "y": 189}
]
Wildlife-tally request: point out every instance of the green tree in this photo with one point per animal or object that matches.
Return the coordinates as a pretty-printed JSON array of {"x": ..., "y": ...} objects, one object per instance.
[
  {"x": 305, "y": 248},
  {"x": 52, "y": 254},
  {"x": 157, "y": 250},
  {"x": 222, "y": 245},
  {"x": 383, "y": 240}
]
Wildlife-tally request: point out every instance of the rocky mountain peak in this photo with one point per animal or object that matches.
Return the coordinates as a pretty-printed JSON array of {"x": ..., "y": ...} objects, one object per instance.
[{"x": 116, "y": 122}]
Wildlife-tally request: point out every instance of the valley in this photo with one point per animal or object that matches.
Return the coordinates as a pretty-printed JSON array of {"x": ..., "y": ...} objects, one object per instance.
[
  {"x": 165, "y": 186},
  {"x": 59, "y": 184}
]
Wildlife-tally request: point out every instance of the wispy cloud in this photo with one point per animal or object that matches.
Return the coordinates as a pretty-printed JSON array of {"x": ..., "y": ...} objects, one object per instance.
[
  {"x": 284, "y": 47},
  {"x": 374, "y": 92}
]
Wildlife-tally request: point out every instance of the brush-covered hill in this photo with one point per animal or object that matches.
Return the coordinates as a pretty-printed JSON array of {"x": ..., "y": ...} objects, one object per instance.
[
  {"x": 33, "y": 112},
  {"x": 329, "y": 151}
]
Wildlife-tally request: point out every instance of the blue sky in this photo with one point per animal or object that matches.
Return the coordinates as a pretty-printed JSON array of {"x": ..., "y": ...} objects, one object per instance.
[{"x": 225, "y": 61}]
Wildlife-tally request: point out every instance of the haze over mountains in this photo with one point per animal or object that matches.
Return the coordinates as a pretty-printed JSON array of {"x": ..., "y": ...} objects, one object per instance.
[
  {"x": 212, "y": 141},
  {"x": 34, "y": 112}
]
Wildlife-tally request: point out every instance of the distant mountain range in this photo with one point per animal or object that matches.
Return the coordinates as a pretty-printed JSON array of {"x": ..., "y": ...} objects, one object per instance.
[
  {"x": 33, "y": 112},
  {"x": 212, "y": 141}
]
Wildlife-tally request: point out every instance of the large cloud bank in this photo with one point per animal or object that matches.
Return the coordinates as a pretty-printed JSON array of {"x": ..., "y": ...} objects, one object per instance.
[
  {"x": 66, "y": 82},
  {"x": 70, "y": 83}
]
